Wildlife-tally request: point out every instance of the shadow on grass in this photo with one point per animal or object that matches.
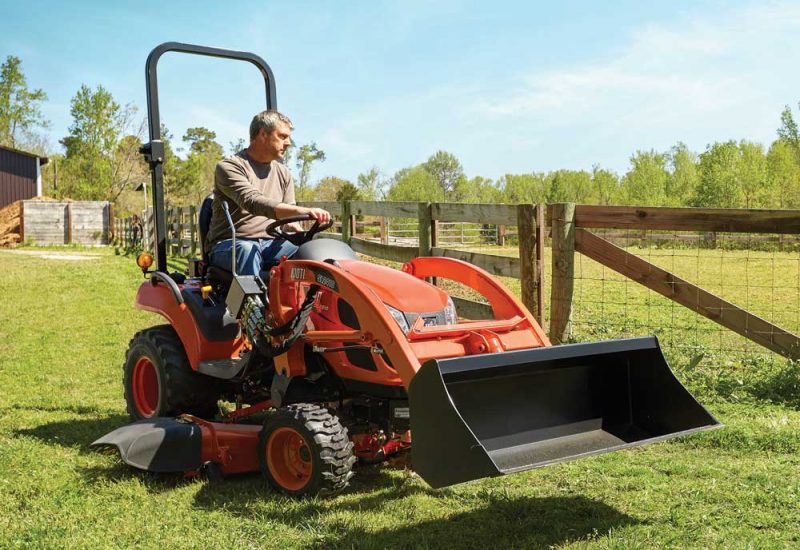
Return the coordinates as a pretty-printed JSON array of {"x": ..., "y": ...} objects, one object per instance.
[
  {"x": 493, "y": 519},
  {"x": 75, "y": 433},
  {"x": 519, "y": 522}
]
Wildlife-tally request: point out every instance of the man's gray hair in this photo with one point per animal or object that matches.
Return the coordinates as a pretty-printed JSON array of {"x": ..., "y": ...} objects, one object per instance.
[{"x": 268, "y": 120}]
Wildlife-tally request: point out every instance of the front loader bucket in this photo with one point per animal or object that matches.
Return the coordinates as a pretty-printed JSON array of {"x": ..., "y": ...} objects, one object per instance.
[{"x": 492, "y": 414}]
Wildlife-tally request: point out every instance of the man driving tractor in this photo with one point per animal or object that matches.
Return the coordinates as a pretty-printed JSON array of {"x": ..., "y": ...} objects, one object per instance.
[{"x": 258, "y": 189}]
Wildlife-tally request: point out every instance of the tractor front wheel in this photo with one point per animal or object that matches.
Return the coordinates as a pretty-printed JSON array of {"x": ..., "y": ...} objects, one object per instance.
[
  {"x": 305, "y": 450},
  {"x": 159, "y": 381}
]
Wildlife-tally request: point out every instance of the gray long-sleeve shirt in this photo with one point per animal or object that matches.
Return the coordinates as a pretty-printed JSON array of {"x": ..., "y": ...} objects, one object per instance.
[{"x": 252, "y": 190}]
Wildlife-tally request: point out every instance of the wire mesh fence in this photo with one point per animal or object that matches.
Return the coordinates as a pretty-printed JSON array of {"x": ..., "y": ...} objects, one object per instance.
[{"x": 759, "y": 273}]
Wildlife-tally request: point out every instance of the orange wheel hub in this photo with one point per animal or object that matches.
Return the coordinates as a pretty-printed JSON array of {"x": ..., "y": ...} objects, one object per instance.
[
  {"x": 289, "y": 459},
  {"x": 145, "y": 387}
]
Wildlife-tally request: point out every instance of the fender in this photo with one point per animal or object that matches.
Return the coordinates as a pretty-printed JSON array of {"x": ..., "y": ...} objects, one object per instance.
[{"x": 158, "y": 298}]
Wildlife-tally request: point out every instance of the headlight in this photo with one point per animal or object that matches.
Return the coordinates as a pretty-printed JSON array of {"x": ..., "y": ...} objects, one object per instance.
[
  {"x": 399, "y": 317},
  {"x": 450, "y": 317}
]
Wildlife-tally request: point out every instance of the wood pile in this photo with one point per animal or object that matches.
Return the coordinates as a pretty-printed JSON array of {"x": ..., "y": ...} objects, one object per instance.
[{"x": 11, "y": 223}]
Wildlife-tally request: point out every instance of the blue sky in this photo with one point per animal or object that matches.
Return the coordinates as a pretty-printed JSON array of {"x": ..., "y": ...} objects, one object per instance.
[{"x": 508, "y": 87}]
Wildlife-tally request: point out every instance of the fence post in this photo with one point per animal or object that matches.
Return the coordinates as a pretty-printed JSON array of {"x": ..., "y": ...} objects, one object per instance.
[
  {"x": 425, "y": 222},
  {"x": 541, "y": 235},
  {"x": 384, "y": 230},
  {"x": 562, "y": 221},
  {"x": 347, "y": 218},
  {"x": 526, "y": 228},
  {"x": 193, "y": 229},
  {"x": 69, "y": 223}
]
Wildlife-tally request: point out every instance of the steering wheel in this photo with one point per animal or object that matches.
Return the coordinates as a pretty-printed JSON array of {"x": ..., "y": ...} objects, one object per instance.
[{"x": 299, "y": 237}]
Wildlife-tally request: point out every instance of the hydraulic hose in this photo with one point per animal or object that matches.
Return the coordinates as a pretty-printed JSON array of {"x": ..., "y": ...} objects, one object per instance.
[{"x": 295, "y": 326}]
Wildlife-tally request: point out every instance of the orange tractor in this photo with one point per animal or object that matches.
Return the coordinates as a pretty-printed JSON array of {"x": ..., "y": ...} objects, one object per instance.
[{"x": 333, "y": 361}]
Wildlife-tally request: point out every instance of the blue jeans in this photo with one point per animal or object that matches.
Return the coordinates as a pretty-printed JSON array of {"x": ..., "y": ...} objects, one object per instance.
[{"x": 253, "y": 256}]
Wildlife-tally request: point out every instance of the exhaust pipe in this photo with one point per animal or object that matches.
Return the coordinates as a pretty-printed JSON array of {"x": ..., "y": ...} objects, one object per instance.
[{"x": 495, "y": 414}]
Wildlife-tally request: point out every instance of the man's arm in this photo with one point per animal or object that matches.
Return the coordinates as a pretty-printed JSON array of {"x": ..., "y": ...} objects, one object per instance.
[{"x": 288, "y": 208}]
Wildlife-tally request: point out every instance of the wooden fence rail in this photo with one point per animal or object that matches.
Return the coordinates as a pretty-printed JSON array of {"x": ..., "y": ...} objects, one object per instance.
[{"x": 420, "y": 229}]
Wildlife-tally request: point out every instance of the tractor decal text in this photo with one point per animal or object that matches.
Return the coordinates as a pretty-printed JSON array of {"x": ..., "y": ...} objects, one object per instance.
[
  {"x": 298, "y": 273},
  {"x": 325, "y": 279}
]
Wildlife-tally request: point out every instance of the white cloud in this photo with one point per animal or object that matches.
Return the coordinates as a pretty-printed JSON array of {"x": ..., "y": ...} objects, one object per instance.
[{"x": 679, "y": 71}]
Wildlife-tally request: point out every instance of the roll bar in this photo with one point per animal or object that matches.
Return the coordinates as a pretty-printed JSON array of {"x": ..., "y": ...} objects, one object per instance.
[{"x": 153, "y": 150}]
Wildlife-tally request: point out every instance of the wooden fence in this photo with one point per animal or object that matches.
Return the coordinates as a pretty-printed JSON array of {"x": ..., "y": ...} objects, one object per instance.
[
  {"x": 568, "y": 226},
  {"x": 75, "y": 222}
]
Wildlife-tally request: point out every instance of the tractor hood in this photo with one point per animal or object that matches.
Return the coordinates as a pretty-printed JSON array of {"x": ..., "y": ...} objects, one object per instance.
[{"x": 400, "y": 290}]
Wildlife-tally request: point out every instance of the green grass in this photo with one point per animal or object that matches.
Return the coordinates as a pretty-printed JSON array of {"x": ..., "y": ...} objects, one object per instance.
[{"x": 64, "y": 327}]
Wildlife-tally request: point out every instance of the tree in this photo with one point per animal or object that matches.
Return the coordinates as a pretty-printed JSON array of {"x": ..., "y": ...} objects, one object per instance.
[
  {"x": 99, "y": 163},
  {"x": 329, "y": 188},
  {"x": 752, "y": 174},
  {"x": 20, "y": 113},
  {"x": 525, "y": 188},
  {"x": 348, "y": 192},
  {"x": 783, "y": 176},
  {"x": 415, "y": 184},
  {"x": 788, "y": 131},
  {"x": 718, "y": 185},
  {"x": 645, "y": 183},
  {"x": 194, "y": 177},
  {"x": 569, "y": 186},
  {"x": 370, "y": 185},
  {"x": 476, "y": 190},
  {"x": 236, "y": 146},
  {"x": 445, "y": 168},
  {"x": 306, "y": 156},
  {"x": 605, "y": 186},
  {"x": 683, "y": 175}
]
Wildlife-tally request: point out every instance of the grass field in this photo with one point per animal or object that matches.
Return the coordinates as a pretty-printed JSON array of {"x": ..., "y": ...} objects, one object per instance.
[{"x": 64, "y": 327}]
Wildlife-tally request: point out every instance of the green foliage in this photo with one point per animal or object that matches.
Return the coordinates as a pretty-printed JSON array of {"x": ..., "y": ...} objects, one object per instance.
[
  {"x": 305, "y": 157},
  {"x": 347, "y": 192},
  {"x": 330, "y": 187},
  {"x": 569, "y": 186},
  {"x": 605, "y": 186},
  {"x": 415, "y": 184},
  {"x": 20, "y": 111},
  {"x": 752, "y": 173},
  {"x": 370, "y": 185},
  {"x": 646, "y": 181},
  {"x": 788, "y": 131},
  {"x": 476, "y": 190},
  {"x": 719, "y": 176},
  {"x": 193, "y": 178},
  {"x": 783, "y": 176},
  {"x": 525, "y": 188},
  {"x": 102, "y": 157},
  {"x": 683, "y": 175},
  {"x": 446, "y": 170}
]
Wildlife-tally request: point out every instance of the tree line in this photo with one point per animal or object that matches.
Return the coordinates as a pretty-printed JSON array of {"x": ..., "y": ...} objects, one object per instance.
[{"x": 101, "y": 161}]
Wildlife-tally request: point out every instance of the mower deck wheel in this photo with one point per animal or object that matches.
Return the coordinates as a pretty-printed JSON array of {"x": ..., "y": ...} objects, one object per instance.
[
  {"x": 304, "y": 450},
  {"x": 158, "y": 380}
]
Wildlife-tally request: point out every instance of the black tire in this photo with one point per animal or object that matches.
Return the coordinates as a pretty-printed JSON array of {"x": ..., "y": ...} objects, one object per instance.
[
  {"x": 158, "y": 380},
  {"x": 325, "y": 452}
]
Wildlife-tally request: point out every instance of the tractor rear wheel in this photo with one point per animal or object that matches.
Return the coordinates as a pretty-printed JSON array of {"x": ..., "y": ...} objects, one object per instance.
[
  {"x": 159, "y": 381},
  {"x": 305, "y": 450}
]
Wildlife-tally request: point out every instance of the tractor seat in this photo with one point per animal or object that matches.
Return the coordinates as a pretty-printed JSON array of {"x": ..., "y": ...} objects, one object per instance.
[{"x": 216, "y": 275}]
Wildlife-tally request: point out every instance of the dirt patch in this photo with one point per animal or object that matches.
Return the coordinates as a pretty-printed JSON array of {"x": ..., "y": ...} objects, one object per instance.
[
  {"x": 11, "y": 223},
  {"x": 55, "y": 255}
]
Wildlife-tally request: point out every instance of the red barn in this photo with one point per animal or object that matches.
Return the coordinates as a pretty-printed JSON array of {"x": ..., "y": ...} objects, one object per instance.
[{"x": 20, "y": 175}]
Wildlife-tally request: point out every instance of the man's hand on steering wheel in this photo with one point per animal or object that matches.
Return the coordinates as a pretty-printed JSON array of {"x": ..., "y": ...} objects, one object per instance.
[{"x": 322, "y": 221}]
